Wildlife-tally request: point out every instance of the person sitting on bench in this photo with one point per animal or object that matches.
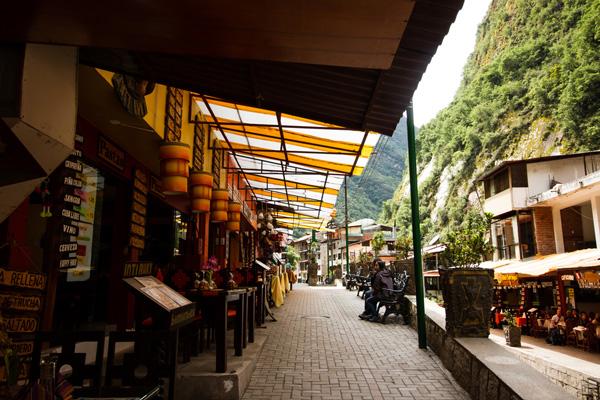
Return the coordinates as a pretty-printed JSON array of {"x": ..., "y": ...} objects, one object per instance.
[{"x": 382, "y": 280}]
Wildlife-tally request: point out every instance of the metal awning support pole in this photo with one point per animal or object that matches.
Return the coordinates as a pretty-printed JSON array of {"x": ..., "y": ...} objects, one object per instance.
[
  {"x": 346, "y": 212},
  {"x": 416, "y": 226}
]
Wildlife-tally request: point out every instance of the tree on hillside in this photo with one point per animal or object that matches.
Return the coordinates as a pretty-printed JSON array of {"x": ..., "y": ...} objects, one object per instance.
[{"x": 377, "y": 243}]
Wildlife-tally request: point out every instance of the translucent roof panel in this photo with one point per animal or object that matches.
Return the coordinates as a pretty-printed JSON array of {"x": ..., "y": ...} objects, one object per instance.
[{"x": 290, "y": 162}]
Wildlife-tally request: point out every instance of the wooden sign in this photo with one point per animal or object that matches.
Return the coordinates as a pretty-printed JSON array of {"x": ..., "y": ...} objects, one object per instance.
[
  {"x": 67, "y": 263},
  {"x": 73, "y": 215},
  {"x": 138, "y": 208},
  {"x": 74, "y": 165},
  {"x": 22, "y": 348},
  {"x": 25, "y": 280},
  {"x": 138, "y": 230},
  {"x": 72, "y": 199},
  {"x": 140, "y": 197},
  {"x": 70, "y": 230},
  {"x": 136, "y": 242},
  {"x": 21, "y": 324},
  {"x": 67, "y": 247},
  {"x": 20, "y": 302},
  {"x": 70, "y": 181},
  {"x": 156, "y": 187},
  {"x": 138, "y": 219},
  {"x": 140, "y": 186},
  {"x": 133, "y": 269},
  {"x": 111, "y": 154},
  {"x": 141, "y": 176}
]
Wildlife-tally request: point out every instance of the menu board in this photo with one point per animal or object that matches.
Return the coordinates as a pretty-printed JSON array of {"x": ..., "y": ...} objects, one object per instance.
[
  {"x": 70, "y": 201},
  {"x": 178, "y": 307},
  {"x": 138, "y": 209},
  {"x": 21, "y": 299}
]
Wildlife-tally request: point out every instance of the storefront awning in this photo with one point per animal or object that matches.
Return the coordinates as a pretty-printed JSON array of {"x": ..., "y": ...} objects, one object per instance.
[
  {"x": 290, "y": 162},
  {"x": 541, "y": 265}
]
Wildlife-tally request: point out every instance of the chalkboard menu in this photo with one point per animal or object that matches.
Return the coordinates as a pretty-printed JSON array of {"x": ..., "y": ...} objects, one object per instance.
[
  {"x": 138, "y": 209},
  {"x": 171, "y": 307},
  {"x": 69, "y": 203},
  {"x": 21, "y": 300}
]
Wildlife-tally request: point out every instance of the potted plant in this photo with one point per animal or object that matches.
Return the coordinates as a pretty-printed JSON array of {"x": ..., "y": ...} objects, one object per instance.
[
  {"x": 466, "y": 288},
  {"x": 512, "y": 332}
]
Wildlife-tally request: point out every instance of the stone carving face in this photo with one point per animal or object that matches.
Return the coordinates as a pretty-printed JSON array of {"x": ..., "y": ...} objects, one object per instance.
[{"x": 131, "y": 92}]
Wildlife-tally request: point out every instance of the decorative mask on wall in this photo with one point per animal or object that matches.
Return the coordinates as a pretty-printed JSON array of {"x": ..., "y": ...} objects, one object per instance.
[{"x": 131, "y": 93}]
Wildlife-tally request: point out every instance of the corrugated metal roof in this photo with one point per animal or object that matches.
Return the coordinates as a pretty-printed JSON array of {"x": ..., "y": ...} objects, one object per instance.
[{"x": 355, "y": 98}]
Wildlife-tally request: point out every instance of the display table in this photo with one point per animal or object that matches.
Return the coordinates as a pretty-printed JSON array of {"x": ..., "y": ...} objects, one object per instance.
[{"x": 214, "y": 304}]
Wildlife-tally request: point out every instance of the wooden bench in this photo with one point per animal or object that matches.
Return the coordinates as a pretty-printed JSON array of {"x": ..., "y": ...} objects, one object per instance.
[
  {"x": 351, "y": 282},
  {"x": 363, "y": 283},
  {"x": 394, "y": 301}
]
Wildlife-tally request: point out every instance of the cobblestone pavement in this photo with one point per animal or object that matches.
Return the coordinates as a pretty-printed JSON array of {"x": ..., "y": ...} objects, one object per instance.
[{"x": 320, "y": 349}]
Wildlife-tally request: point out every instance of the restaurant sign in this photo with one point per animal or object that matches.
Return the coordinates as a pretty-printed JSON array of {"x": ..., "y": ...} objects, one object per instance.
[
  {"x": 21, "y": 324},
  {"x": 21, "y": 303},
  {"x": 133, "y": 269},
  {"x": 25, "y": 280},
  {"x": 111, "y": 153}
]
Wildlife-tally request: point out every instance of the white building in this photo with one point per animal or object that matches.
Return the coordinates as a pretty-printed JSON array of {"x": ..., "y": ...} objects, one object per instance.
[{"x": 544, "y": 205}]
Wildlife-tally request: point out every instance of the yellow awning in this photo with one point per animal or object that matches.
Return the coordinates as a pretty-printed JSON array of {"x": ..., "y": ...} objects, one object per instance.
[
  {"x": 288, "y": 162},
  {"x": 541, "y": 265}
]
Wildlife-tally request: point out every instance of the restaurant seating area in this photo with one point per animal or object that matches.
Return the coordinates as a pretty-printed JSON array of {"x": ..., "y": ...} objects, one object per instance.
[{"x": 574, "y": 330}]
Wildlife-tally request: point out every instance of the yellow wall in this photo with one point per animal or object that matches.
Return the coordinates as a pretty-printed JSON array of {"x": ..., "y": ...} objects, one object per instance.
[{"x": 155, "y": 118}]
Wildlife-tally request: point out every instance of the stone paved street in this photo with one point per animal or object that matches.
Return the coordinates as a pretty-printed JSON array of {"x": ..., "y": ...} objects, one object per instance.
[{"x": 320, "y": 349}]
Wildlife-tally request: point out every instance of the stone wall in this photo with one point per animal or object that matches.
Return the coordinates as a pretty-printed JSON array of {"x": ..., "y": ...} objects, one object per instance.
[
  {"x": 576, "y": 383},
  {"x": 518, "y": 381},
  {"x": 544, "y": 230}
]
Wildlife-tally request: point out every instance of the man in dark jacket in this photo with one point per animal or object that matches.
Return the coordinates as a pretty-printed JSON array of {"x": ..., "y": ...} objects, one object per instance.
[{"x": 383, "y": 280}]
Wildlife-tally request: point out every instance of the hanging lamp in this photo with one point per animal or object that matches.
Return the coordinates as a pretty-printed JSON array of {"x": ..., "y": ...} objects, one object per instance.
[
  {"x": 233, "y": 219},
  {"x": 174, "y": 167},
  {"x": 219, "y": 205},
  {"x": 201, "y": 191}
]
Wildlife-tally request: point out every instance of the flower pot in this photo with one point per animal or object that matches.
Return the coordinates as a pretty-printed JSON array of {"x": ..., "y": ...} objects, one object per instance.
[{"x": 512, "y": 334}]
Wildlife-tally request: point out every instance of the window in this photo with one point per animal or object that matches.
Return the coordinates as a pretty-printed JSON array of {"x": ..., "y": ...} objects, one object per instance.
[
  {"x": 500, "y": 182},
  {"x": 496, "y": 184},
  {"x": 519, "y": 175}
]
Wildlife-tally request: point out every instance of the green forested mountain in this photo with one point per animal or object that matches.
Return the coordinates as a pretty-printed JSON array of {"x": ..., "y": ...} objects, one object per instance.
[
  {"x": 366, "y": 193},
  {"x": 530, "y": 88}
]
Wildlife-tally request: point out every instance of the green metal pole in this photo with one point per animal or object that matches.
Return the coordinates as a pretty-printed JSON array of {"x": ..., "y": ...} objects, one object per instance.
[
  {"x": 416, "y": 228},
  {"x": 346, "y": 212}
]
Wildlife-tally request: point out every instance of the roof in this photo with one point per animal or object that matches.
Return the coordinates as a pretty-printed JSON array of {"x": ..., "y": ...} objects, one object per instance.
[
  {"x": 505, "y": 163},
  {"x": 302, "y": 238},
  {"x": 562, "y": 190},
  {"x": 365, "y": 99},
  {"x": 362, "y": 222},
  {"x": 541, "y": 265}
]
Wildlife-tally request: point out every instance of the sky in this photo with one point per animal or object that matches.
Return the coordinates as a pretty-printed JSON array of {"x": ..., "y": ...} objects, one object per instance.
[{"x": 444, "y": 73}]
